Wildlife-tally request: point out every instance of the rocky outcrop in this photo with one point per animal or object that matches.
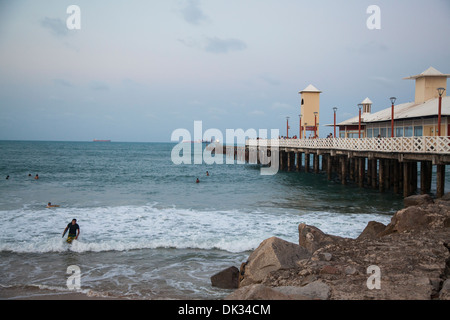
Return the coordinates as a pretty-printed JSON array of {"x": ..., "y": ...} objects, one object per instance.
[
  {"x": 409, "y": 259},
  {"x": 273, "y": 254}
]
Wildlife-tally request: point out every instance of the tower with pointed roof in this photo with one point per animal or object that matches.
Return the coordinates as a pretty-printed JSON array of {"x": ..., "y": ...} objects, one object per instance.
[
  {"x": 310, "y": 101},
  {"x": 426, "y": 84},
  {"x": 367, "y": 105}
]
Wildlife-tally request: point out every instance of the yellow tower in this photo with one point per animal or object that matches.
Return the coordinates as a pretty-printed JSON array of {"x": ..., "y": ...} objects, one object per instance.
[{"x": 310, "y": 111}]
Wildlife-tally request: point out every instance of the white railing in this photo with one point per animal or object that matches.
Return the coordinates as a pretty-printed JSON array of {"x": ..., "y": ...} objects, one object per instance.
[{"x": 439, "y": 145}]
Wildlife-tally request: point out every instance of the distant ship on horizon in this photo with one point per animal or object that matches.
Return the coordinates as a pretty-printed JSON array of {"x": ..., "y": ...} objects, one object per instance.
[
  {"x": 96, "y": 140},
  {"x": 198, "y": 141}
]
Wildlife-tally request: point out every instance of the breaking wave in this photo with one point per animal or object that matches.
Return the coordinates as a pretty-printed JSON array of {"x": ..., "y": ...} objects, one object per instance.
[{"x": 150, "y": 227}]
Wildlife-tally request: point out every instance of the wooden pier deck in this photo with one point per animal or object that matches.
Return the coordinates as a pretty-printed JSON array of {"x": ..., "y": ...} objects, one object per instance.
[{"x": 393, "y": 164}]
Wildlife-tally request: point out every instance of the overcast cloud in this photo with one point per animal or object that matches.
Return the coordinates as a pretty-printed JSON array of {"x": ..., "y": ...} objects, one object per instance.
[{"x": 138, "y": 69}]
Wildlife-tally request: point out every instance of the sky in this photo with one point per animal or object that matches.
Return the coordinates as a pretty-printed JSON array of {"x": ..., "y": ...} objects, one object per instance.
[{"x": 137, "y": 70}]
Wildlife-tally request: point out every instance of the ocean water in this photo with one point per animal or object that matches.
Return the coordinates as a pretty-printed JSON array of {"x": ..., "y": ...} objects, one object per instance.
[{"x": 148, "y": 231}]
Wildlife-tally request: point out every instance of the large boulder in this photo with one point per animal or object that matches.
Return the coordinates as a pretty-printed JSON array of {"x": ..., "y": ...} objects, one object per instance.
[
  {"x": 417, "y": 200},
  {"x": 226, "y": 279},
  {"x": 411, "y": 218},
  {"x": 373, "y": 230},
  {"x": 271, "y": 255},
  {"x": 431, "y": 216},
  {"x": 313, "y": 238}
]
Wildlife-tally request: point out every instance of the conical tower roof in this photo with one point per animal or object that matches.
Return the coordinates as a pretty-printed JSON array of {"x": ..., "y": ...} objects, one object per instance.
[
  {"x": 311, "y": 88},
  {"x": 367, "y": 101}
]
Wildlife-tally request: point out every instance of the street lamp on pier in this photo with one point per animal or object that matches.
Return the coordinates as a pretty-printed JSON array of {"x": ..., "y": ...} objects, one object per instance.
[
  {"x": 359, "y": 124},
  {"x": 300, "y": 128},
  {"x": 315, "y": 125},
  {"x": 287, "y": 127},
  {"x": 393, "y": 99},
  {"x": 335, "y": 109},
  {"x": 441, "y": 92}
]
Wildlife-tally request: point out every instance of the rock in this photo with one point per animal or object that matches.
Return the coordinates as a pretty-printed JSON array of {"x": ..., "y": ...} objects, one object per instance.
[
  {"x": 257, "y": 292},
  {"x": 271, "y": 255},
  {"x": 350, "y": 270},
  {"x": 226, "y": 279},
  {"x": 411, "y": 218},
  {"x": 312, "y": 238},
  {"x": 316, "y": 290},
  {"x": 325, "y": 256},
  {"x": 372, "y": 230},
  {"x": 445, "y": 291},
  {"x": 417, "y": 200},
  {"x": 446, "y": 197},
  {"x": 446, "y": 223},
  {"x": 423, "y": 217},
  {"x": 329, "y": 270}
]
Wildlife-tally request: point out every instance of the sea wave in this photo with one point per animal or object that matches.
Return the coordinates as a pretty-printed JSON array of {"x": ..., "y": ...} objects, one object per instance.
[
  {"x": 151, "y": 227},
  {"x": 129, "y": 228},
  {"x": 58, "y": 245}
]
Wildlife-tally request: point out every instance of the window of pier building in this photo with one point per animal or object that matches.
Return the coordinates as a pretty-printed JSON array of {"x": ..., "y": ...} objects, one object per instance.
[
  {"x": 351, "y": 134},
  {"x": 418, "y": 131},
  {"x": 407, "y": 128}
]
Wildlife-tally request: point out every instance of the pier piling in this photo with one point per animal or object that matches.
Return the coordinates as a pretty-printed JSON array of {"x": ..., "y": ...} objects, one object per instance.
[{"x": 377, "y": 166}]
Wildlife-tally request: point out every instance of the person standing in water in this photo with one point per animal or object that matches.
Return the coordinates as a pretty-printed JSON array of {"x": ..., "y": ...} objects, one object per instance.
[{"x": 74, "y": 231}]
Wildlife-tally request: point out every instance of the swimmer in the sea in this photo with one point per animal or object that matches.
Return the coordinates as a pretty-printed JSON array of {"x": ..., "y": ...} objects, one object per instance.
[{"x": 50, "y": 205}]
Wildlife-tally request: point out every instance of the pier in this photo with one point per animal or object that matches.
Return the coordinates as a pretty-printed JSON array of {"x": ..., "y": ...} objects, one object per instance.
[
  {"x": 400, "y": 149},
  {"x": 387, "y": 164}
]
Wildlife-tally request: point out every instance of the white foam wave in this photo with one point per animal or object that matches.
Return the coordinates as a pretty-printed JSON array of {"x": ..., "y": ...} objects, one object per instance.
[{"x": 150, "y": 227}]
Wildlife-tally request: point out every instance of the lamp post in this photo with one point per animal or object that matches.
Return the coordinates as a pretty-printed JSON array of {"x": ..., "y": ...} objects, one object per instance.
[
  {"x": 315, "y": 125},
  {"x": 287, "y": 127},
  {"x": 300, "y": 128},
  {"x": 393, "y": 99},
  {"x": 359, "y": 124},
  {"x": 441, "y": 92},
  {"x": 335, "y": 109}
]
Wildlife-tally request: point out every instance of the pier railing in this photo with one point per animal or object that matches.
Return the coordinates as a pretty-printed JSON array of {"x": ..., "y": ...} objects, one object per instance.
[{"x": 432, "y": 145}]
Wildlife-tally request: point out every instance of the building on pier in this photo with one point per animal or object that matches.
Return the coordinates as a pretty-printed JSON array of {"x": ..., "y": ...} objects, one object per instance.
[
  {"x": 405, "y": 164},
  {"x": 412, "y": 119}
]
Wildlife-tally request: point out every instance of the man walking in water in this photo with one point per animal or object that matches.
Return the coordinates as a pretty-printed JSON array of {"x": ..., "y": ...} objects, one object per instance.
[{"x": 74, "y": 231}]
